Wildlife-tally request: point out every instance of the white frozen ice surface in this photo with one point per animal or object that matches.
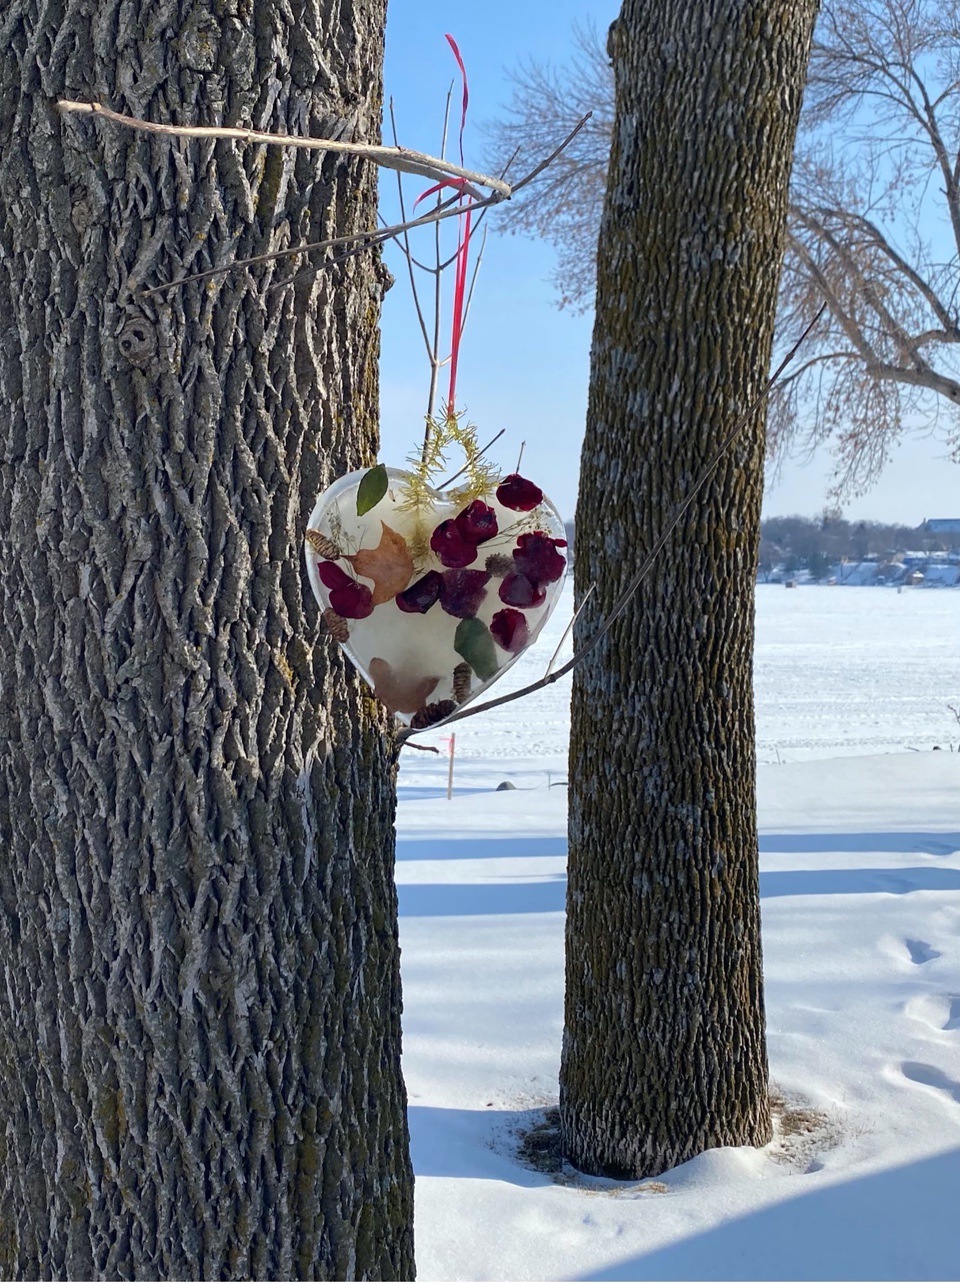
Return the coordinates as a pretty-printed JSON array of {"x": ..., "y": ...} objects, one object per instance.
[
  {"x": 860, "y": 878},
  {"x": 842, "y": 671}
]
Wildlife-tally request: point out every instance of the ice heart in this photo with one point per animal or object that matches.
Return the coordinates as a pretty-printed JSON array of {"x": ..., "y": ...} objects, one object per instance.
[{"x": 433, "y": 595}]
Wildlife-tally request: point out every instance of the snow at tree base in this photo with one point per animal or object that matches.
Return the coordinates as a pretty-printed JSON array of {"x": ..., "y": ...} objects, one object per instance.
[{"x": 860, "y": 874}]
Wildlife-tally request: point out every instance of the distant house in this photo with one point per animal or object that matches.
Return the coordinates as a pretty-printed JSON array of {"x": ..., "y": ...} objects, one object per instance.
[{"x": 942, "y": 525}]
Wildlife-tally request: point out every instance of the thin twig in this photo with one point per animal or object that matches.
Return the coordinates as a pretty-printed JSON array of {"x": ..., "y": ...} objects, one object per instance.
[
  {"x": 360, "y": 240},
  {"x": 398, "y": 158},
  {"x": 568, "y": 629},
  {"x": 409, "y": 744},
  {"x": 444, "y": 485},
  {"x": 538, "y": 169},
  {"x": 623, "y": 600},
  {"x": 520, "y": 456},
  {"x": 308, "y": 273},
  {"x": 405, "y": 241},
  {"x": 450, "y": 208},
  {"x": 484, "y": 211}
]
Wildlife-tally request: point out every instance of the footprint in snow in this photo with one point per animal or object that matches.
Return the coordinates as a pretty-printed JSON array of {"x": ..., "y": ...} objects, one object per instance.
[
  {"x": 938, "y": 1011},
  {"x": 920, "y": 951},
  {"x": 931, "y": 1077}
]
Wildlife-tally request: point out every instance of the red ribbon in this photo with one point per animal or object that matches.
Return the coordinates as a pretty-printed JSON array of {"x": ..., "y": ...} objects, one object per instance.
[
  {"x": 463, "y": 250},
  {"x": 463, "y": 241},
  {"x": 459, "y": 307},
  {"x": 466, "y": 96}
]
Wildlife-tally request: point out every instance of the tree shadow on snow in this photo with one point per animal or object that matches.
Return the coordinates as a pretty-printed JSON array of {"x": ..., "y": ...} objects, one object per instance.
[
  {"x": 437, "y": 900},
  {"x": 930, "y": 844},
  {"x": 471, "y": 1143},
  {"x": 833, "y": 882},
  {"x": 548, "y": 896},
  {"x": 479, "y": 848},
  {"x": 900, "y": 1224}
]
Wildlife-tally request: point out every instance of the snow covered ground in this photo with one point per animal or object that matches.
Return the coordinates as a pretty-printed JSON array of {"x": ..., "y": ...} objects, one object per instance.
[{"x": 860, "y": 882}]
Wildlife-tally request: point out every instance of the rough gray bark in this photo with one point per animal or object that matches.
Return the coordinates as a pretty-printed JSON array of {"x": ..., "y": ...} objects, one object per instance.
[
  {"x": 664, "y": 1050},
  {"x": 199, "y": 1007}
]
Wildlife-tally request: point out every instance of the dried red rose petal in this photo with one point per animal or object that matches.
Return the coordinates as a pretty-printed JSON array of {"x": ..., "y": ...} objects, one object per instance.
[
  {"x": 519, "y": 494},
  {"x": 421, "y": 595},
  {"x": 333, "y": 576},
  {"x": 517, "y": 590},
  {"x": 537, "y": 557},
  {"x": 477, "y": 522},
  {"x": 510, "y": 631},
  {"x": 462, "y": 592},
  {"x": 353, "y": 602},
  {"x": 450, "y": 546}
]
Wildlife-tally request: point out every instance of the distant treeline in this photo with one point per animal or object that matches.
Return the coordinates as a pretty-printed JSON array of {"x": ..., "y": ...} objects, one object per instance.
[
  {"x": 816, "y": 543},
  {"x": 804, "y": 543}
]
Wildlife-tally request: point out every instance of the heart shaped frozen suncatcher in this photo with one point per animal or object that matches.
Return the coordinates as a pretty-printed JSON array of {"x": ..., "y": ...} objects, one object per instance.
[{"x": 433, "y": 595}]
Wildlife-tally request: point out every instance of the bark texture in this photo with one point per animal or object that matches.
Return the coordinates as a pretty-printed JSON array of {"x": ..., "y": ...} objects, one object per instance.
[
  {"x": 200, "y": 1001},
  {"x": 664, "y": 1052}
]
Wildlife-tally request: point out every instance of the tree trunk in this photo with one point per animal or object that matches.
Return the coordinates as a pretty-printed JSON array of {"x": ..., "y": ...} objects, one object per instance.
[
  {"x": 664, "y": 1052},
  {"x": 200, "y": 998}
]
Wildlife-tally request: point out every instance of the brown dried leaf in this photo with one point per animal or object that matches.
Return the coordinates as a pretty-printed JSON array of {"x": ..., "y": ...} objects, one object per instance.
[
  {"x": 400, "y": 692},
  {"x": 389, "y": 565}
]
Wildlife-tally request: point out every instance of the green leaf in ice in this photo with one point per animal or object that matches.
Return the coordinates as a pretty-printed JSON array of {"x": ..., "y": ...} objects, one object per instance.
[
  {"x": 474, "y": 642},
  {"x": 372, "y": 488}
]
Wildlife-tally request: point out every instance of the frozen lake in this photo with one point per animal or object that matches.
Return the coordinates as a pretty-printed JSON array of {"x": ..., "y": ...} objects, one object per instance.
[
  {"x": 839, "y": 671},
  {"x": 855, "y": 670}
]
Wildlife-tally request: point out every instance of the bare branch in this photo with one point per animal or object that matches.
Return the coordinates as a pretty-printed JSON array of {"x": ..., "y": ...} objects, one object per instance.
[
  {"x": 820, "y": 359},
  {"x": 569, "y": 629},
  {"x": 398, "y": 158},
  {"x": 435, "y": 362},
  {"x": 875, "y": 190},
  {"x": 856, "y": 221},
  {"x": 359, "y": 240},
  {"x": 451, "y": 208},
  {"x": 563, "y": 204},
  {"x": 473, "y": 280},
  {"x": 839, "y": 313},
  {"x": 927, "y": 378}
]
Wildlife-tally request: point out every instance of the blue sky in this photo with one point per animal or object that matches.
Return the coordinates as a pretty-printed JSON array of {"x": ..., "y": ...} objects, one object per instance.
[{"x": 524, "y": 365}]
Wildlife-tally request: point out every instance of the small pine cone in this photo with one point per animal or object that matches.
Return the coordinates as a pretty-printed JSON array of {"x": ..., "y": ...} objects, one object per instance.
[
  {"x": 499, "y": 564},
  {"x": 431, "y": 713},
  {"x": 337, "y": 626},
  {"x": 462, "y": 678},
  {"x": 323, "y": 546}
]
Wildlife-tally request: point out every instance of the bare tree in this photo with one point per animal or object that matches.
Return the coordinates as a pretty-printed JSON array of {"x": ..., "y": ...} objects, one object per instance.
[
  {"x": 874, "y": 222},
  {"x": 567, "y": 201},
  {"x": 875, "y": 233}
]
